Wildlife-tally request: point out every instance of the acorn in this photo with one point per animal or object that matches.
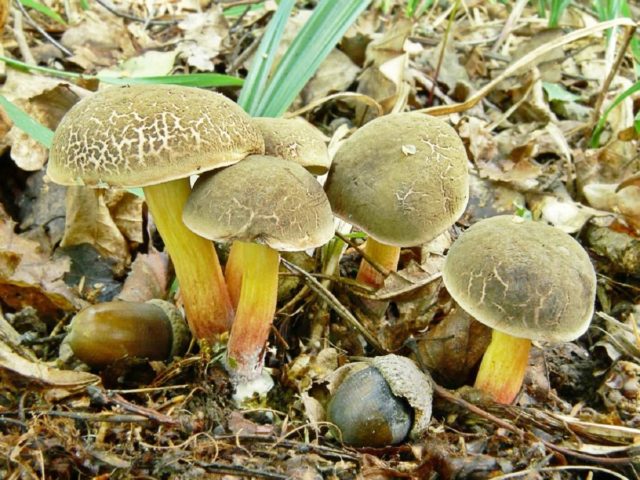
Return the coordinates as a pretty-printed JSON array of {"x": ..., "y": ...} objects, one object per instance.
[
  {"x": 102, "y": 334},
  {"x": 381, "y": 402}
]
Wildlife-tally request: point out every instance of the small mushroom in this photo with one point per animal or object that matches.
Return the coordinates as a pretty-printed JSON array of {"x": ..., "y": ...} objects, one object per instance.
[
  {"x": 155, "y": 137},
  {"x": 381, "y": 402},
  {"x": 527, "y": 281},
  {"x": 402, "y": 178},
  {"x": 264, "y": 204},
  {"x": 102, "y": 334},
  {"x": 295, "y": 139}
]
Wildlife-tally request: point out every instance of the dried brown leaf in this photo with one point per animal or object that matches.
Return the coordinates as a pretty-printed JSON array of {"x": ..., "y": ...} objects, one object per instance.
[
  {"x": 89, "y": 220},
  {"x": 148, "y": 278},
  {"x": 28, "y": 277}
]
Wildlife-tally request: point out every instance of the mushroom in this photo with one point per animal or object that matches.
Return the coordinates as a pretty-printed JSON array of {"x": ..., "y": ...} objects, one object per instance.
[
  {"x": 155, "y": 137},
  {"x": 102, "y": 334},
  {"x": 292, "y": 139},
  {"x": 295, "y": 139},
  {"x": 268, "y": 204},
  {"x": 527, "y": 281},
  {"x": 402, "y": 179},
  {"x": 380, "y": 402}
]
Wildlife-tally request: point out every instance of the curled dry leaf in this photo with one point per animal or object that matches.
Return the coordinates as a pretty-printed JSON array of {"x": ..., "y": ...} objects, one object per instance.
[
  {"x": 203, "y": 36},
  {"x": 28, "y": 277},
  {"x": 105, "y": 219},
  {"x": 452, "y": 348},
  {"x": 100, "y": 39},
  {"x": 20, "y": 372},
  {"x": 148, "y": 278},
  {"x": 46, "y": 100}
]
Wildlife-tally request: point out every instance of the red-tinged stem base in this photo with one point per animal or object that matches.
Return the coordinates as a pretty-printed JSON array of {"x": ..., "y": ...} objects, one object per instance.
[
  {"x": 386, "y": 256},
  {"x": 204, "y": 292},
  {"x": 255, "y": 312},
  {"x": 233, "y": 271},
  {"x": 503, "y": 367}
]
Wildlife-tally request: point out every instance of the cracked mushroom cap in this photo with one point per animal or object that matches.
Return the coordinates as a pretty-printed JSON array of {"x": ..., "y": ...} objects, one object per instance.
[
  {"x": 264, "y": 200},
  {"x": 402, "y": 178},
  {"x": 297, "y": 140},
  {"x": 148, "y": 134},
  {"x": 523, "y": 278}
]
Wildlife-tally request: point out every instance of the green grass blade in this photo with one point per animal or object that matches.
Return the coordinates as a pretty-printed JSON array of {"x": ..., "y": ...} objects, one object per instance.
[
  {"x": 27, "y": 124},
  {"x": 39, "y": 7},
  {"x": 595, "y": 137},
  {"x": 256, "y": 80},
  {"x": 316, "y": 39},
  {"x": 189, "y": 80}
]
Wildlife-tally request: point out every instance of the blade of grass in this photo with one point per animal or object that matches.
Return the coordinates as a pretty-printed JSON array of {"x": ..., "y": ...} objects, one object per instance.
[
  {"x": 595, "y": 137},
  {"x": 310, "y": 47},
  {"x": 43, "y": 9},
  {"x": 26, "y": 123},
  {"x": 256, "y": 80},
  {"x": 189, "y": 79}
]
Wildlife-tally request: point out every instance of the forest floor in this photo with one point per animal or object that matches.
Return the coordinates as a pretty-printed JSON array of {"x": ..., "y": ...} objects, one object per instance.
[{"x": 527, "y": 119}]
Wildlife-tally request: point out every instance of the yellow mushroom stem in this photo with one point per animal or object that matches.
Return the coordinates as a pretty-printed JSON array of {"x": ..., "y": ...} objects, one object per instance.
[
  {"x": 503, "y": 367},
  {"x": 204, "y": 293},
  {"x": 233, "y": 272},
  {"x": 255, "y": 311},
  {"x": 386, "y": 256}
]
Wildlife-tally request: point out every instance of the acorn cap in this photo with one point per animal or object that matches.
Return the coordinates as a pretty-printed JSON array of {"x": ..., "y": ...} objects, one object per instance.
[
  {"x": 407, "y": 381},
  {"x": 261, "y": 199},
  {"x": 402, "y": 178},
  {"x": 143, "y": 135},
  {"x": 297, "y": 140},
  {"x": 180, "y": 334},
  {"x": 524, "y": 278}
]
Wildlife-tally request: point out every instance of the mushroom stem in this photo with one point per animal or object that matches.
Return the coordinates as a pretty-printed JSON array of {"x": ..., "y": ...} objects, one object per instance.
[
  {"x": 233, "y": 272},
  {"x": 386, "y": 256},
  {"x": 255, "y": 312},
  {"x": 204, "y": 294},
  {"x": 503, "y": 367}
]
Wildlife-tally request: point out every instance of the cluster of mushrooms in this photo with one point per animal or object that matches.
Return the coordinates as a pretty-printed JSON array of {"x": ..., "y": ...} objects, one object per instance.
[{"x": 402, "y": 179}]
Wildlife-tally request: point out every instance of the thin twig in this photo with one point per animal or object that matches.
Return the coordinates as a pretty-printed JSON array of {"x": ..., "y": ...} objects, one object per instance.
[
  {"x": 335, "y": 304},
  {"x": 42, "y": 31},
  {"x": 628, "y": 35},
  {"x": 516, "y": 13},
  {"x": 18, "y": 33},
  {"x": 524, "y": 61},
  {"x": 134, "y": 18},
  {"x": 447, "y": 395}
]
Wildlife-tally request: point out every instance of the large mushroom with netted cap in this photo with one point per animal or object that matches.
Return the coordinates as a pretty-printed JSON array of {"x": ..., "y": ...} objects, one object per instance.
[
  {"x": 295, "y": 139},
  {"x": 526, "y": 280},
  {"x": 155, "y": 137},
  {"x": 266, "y": 204},
  {"x": 403, "y": 180}
]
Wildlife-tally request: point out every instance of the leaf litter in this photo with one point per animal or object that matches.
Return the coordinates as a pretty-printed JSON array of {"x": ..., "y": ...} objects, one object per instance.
[{"x": 525, "y": 119}]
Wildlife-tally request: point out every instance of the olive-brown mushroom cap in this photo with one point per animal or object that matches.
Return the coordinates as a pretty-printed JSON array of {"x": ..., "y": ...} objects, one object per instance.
[
  {"x": 401, "y": 178},
  {"x": 142, "y": 135},
  {"x": 297, "y": 140},
  {"x": 523, "y": 278},
  {"x": 261, "y": 199}
]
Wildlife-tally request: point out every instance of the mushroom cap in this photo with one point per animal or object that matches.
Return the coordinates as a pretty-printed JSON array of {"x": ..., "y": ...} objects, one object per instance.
[
  {"x": 402, "y": 178},
  {"x": 261, "y": 199},
  {"x": 147, "y": 134},
  {"x": 296, "y": 140},
  {"x": 523, "y": 278}
]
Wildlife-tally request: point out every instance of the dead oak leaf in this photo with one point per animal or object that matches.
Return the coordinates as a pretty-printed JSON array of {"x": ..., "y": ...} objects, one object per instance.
[
  {"x": 28, "y": 277},
  {"x": 91, "y": 220}
]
